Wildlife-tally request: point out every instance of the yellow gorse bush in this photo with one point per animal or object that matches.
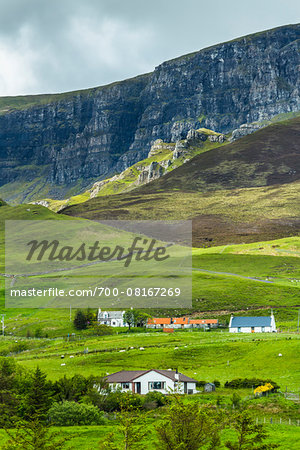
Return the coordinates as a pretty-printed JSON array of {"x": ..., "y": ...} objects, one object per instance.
[{"x": 265, "y": 388}]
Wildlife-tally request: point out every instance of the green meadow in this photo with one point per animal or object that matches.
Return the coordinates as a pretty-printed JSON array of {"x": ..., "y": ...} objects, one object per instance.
[
  {"x": 203, "y": 355},
  {"x": 91, "y": 437}
]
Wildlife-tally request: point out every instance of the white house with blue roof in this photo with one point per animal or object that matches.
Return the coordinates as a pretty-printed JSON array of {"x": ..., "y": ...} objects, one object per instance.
[{"x": 260, "y": 324}]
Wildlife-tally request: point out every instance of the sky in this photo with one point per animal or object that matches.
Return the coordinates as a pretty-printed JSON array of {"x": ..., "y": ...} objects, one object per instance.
[{"x": 49, "y": 46}]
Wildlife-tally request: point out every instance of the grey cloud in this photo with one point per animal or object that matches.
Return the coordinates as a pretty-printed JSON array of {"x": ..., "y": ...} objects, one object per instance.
[{"x": 58, "y": 45}]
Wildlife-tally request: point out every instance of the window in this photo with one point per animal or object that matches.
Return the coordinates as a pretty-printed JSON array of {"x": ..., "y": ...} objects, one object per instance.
[
  {"x": 262, "y": 329},
  {"x": 239, "y": 329},
  {"x": 125, "y": 385},
  {"x": 156, "y": 385}
]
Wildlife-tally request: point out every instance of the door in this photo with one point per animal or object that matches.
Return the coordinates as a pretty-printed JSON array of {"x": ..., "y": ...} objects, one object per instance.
[
  {"x": 138, "y": 387},
  {"x": 252, "y": 329}
]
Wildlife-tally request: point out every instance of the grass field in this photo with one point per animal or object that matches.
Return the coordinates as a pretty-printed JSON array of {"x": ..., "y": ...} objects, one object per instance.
[
  {"x": 90, "y": 437},
  {"x": 203, "y": 355},
  {"x": 245, "y": 278}
]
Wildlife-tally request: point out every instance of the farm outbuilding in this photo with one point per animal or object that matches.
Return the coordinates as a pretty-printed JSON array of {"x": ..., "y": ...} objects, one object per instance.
[{"x": 209, "y": 387}]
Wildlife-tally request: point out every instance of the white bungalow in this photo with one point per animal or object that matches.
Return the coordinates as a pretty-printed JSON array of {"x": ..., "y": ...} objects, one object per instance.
[
  {"x": 260, "y": 324},
  {"x": 111, "y": 318},
  {"x": 144, "y": 381}
]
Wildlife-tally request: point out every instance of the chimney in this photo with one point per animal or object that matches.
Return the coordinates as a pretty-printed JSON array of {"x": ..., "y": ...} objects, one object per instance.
[{"x": 176, "y": 375}]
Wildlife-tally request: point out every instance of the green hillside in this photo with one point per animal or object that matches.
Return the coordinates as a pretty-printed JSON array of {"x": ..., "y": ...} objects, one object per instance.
[{"x": 207, "y": 356}]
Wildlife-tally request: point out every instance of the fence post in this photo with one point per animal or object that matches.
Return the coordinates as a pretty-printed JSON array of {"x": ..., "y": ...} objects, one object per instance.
[{"x": 280, "y": 420}]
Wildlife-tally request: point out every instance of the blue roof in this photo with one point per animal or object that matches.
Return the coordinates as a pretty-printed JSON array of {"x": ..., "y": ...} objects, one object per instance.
[{"x": 251, "y": 322}]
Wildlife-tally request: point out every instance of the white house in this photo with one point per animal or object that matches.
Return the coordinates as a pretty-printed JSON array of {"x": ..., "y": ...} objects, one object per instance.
[
  {"x": 111, "y": 318},
  {"x": 260, "y": 324},
  {"x": 144, "y": 381}
]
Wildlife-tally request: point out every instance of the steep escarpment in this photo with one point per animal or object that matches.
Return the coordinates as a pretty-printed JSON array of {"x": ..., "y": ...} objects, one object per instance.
[
  {"x": 49, "y": 145},
  {"x": 245, "y": 191},
  {"x": 76, "y": 137}
]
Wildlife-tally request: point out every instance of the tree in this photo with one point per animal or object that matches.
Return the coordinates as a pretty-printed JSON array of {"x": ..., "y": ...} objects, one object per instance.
[
  {"x": 135, "y": 317},
  {"x": 91, "y": 316},
  {"x": 71, "y": 388},
  {"x": 188, "y": 427},
  {"x": 8, "y": 399},
  {"x": 129, "y": 318},
  {"x": 140, "y": 318},
  {"x": 235, "y": 400},
  {"x": 132, "y": 427},
  {"x": 250, "y": 436},
  {"x": 80, "y": 320},
  {"x": 38, "y": 399},
  {"x": 34, "y": 435}
]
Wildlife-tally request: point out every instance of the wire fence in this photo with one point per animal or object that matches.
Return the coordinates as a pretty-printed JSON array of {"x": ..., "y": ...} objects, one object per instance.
[{"x": 278, "y": 421}]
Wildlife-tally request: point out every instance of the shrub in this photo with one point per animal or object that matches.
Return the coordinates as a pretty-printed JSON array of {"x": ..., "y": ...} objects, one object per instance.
[
  {"x": 235, "y": 400},
  {"x": 239, "y": 383},
  {"x": 38, "y": 333},
  {"x": 200, "y": 384},
  {"x": 28, "y": 333},
  {"x": 217, "y": 383},
  {"x": 154, "y": 400},
  {"x": 102, "y": 330},
  {"x": 114, "y": 401},
  {"x": 72, "y": 413}
]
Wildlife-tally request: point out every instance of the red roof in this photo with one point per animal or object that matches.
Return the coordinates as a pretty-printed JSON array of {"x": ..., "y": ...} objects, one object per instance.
[
  {"x": 203, "y": 321},
  {"x": 181, "y": 320},
  {"x": 159, "y": 321}
]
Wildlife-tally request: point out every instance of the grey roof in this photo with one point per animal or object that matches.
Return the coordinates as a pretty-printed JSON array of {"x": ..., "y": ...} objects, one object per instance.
[
  {"x": 124, "y": 376},
  {"x": 261, "y": 321},
  {"x": 130, "y": 375},
  {"x": 111, "y": 314}
]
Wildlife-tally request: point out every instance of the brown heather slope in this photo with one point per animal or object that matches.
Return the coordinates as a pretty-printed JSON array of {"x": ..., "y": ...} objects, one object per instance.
[
  {"x": 245, "y": 191},
  {"x": 269, "y": 156}
]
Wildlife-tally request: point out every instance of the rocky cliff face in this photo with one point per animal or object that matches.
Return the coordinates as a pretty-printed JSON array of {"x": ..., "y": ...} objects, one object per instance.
[{"x": 78, "y": 138}]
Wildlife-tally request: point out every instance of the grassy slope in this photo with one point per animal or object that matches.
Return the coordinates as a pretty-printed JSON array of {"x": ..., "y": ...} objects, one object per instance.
[
  {"x": 220, "y": 285},
  {"x": 226, "y": 216},
  {"x": 128, "y": 179},
  {"x": 248, "y": 162},
  {"x": 205, "y": 356},
  {"x": 87, "y": 437},
  {"x": 269, "y": 156},
  {"x": 242, "y": 192}
]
